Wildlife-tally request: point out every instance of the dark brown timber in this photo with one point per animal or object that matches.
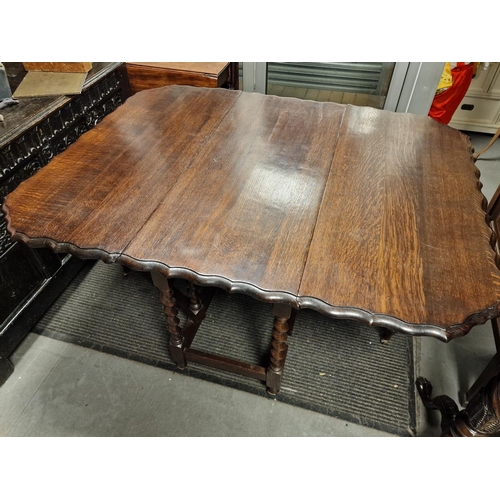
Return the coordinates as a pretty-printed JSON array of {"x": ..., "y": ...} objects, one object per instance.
[
  {"x": 355, "y": 212},
  {"x": 150, "y": 75}
]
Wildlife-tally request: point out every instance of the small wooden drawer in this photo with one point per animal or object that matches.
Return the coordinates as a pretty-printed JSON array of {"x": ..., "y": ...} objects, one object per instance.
[{"x": 477, "y": 109}]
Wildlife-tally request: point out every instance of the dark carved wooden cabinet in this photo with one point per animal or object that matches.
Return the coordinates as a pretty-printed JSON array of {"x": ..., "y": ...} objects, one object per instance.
[{"x": 35, "y": 131}]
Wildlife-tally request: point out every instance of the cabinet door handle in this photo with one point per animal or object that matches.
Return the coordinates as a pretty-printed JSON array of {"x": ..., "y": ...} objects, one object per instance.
[{"x": 467, "y": 107}]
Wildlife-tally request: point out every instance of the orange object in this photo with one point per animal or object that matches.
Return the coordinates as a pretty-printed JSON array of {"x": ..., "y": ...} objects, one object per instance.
[
  {"x": 445, "y": 104},
  {"x": 59, "y": 67}
]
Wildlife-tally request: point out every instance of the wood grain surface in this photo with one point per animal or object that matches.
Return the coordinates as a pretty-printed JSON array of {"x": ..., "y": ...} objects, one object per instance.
[
  {"x": 246, "y": 208},
  {"x": 149, "y": 75},
  {"x": 402, "y": 229},
  {"x": 352, "y": 211},
  {"x": 100, "y": 191},
  {"x": 209, "y": 68}
]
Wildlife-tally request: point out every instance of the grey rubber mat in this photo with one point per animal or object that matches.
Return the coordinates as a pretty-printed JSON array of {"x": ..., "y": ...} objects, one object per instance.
[{"x": 338, "y": 368}]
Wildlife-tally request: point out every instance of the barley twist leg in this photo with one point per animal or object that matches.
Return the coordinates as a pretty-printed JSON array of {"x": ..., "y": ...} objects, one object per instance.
[
  {"x": 279, "y": 348},
  {"x": 176, "y": 340}
]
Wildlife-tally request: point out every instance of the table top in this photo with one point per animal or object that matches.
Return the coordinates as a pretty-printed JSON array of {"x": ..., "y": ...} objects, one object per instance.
[
  {"x": 355, "y": 212},
  {"x": 212, "y": 68}
]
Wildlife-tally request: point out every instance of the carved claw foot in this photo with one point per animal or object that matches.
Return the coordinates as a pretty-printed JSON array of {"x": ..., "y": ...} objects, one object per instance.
[
  {"x": 444, "y": 404},
  {"x": 481, "y": 417},
  {"x": 424, "y": 388}
]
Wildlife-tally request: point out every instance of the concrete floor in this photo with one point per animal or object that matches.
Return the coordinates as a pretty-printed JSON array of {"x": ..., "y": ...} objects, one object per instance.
[{"x": 60, "y": 389}]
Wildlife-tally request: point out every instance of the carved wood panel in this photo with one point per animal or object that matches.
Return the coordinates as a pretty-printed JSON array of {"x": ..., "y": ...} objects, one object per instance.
[
  {"x": 21, "y": 158},
  {"x": 37, "y": 130}
]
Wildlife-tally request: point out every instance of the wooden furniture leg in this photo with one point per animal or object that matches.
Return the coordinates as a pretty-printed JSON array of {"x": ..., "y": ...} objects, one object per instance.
[
  {"x": 480, "y": 418},
  {"x": 493, "y": 367},
  {"x": 493, "y": 139},
  {"x": 194, "y": 298},
  {"x": 195, "y": 306},
  {"x": 176, "y": 341},
  {"x": 272, "y": 375},
  {"x": 234, "y": 76},
  {"x": 385, "y": 335},
  {"x": 444, "y": 404},
  {"x": 279, "y": 348}
]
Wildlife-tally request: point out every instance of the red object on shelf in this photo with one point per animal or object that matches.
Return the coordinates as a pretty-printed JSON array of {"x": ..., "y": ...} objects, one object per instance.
[{"x": 445, "y": 104}]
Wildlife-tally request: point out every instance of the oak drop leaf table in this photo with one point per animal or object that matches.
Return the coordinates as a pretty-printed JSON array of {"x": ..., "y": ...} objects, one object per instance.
[{"x": 354, "y": 212}]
